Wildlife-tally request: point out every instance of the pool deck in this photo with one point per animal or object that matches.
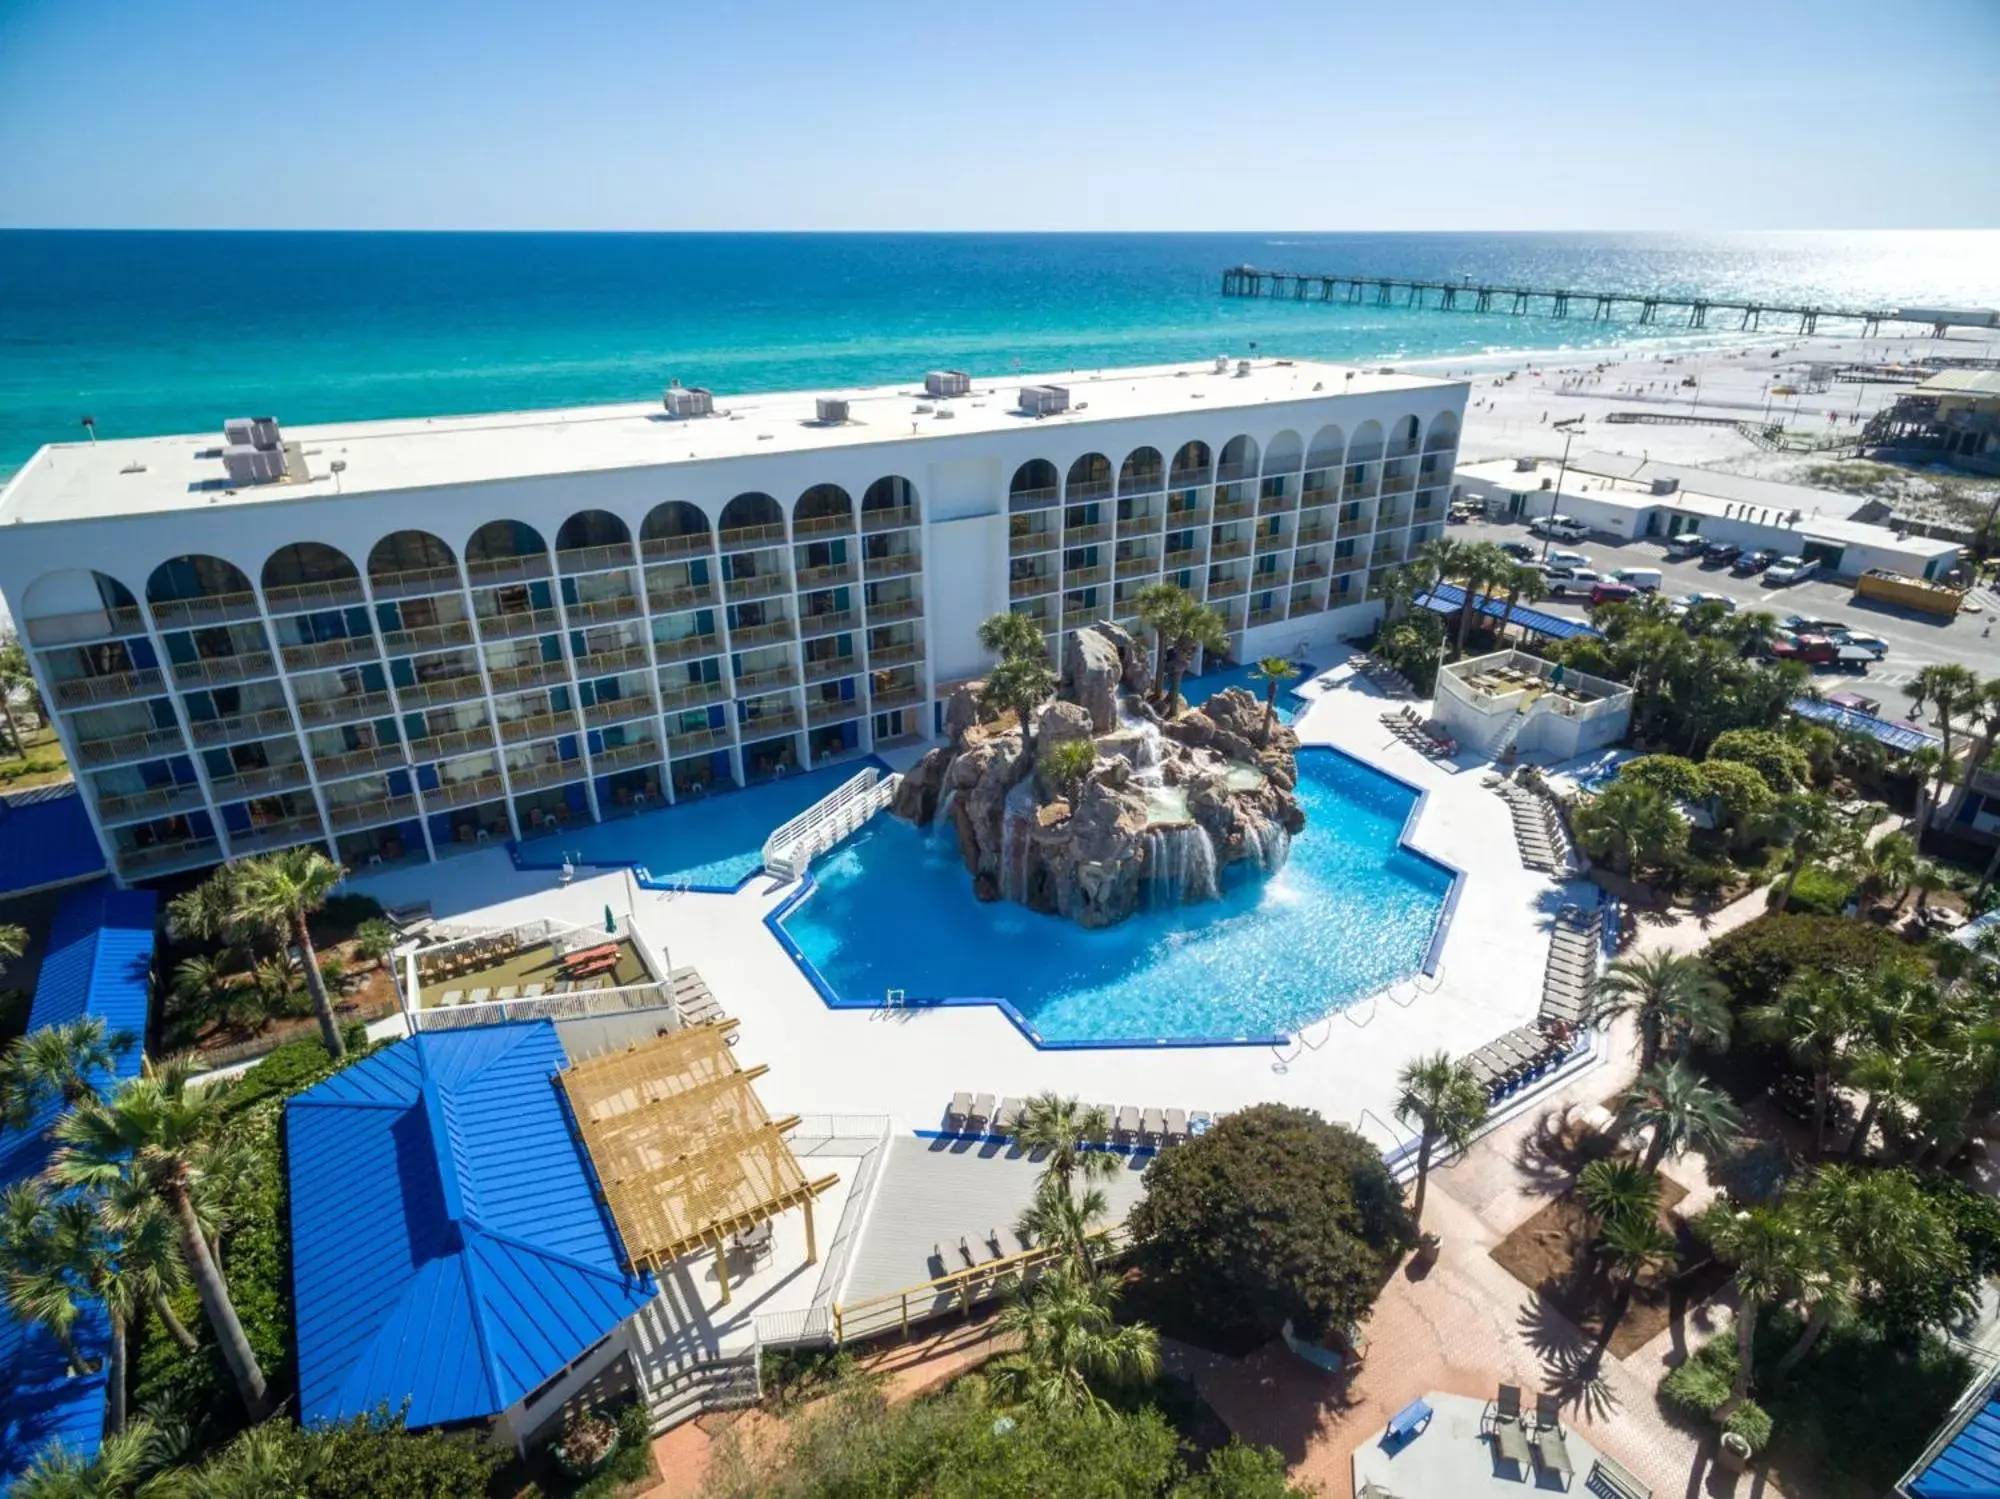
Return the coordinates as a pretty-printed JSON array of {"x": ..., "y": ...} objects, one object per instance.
[{"x": 908, "y": 1063}]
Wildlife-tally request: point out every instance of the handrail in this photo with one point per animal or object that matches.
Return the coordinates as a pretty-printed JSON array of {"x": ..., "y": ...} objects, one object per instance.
[
  {"x": 791, "y": 846},
  {"x": 858, "y": 1319}
]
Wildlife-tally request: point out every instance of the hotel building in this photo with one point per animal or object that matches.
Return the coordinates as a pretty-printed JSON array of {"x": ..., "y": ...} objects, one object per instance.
[{"x": 402, "y": 639}]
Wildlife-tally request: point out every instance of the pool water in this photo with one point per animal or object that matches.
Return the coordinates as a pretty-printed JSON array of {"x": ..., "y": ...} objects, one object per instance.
[
  {"x": 712, "y": 842},
  {"x": 1350, "y": 913},
  {"x": 1198, "y": 690}
]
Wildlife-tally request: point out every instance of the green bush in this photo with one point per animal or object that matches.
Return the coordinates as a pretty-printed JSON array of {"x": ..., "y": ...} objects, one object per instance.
[
  {"x": 1681, "y": 779},
  {"x": 1701, "y": 1383},
  {"x": 1820, "y": 891},
  {"x": 347, "y": 911},
  {"x": 1783, "y": 765},
  {"x": 1736, "y": 792},
  {"x": 1757, "y": 960},
  {"x": 1751, "y": 1422},
  {"x": 372, "y": 1454}
]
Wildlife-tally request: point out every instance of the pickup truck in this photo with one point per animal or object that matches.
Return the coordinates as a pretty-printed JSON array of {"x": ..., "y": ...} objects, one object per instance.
[
  {"x": 1789, "y": 570},
  {"x": 1821, "y": 650},
  {"x": 1572, "y": 582}
]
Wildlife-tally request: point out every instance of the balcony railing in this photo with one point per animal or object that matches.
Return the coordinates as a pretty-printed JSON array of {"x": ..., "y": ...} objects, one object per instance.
[
  {"x": 824, "y": 525},
  {"x": 697, "y": 742},
  {"x": 687, "y": 647},
  {"x": 112, "y": 687},
  {"x": 149, "y": 745},
  {"x": 613, "y": 659},
  {"x": 749, "y": 538},
  {"x": 597, "y": 611},
  {"x": 465, "y": 793},
  {"x": 266, "y": 780},
  {"x": 1090, "y": 535},
  {"x": 617, "y": 710},
  {"x": 620, "y": 756},
  {"x": 756, "y": 586},
  {"x": 157, "y": 858},
  {"x": 330, "y": 652},
  {"x": 220, "y": 608},
  {"x": 213, "y": 670},
  {"x": 771, "y": 632},
  {"x": 895, "y": 565},
  {"x": 830, "y": 623},
  {"x": 1085, "y": 577},
  {"x": 1186, "y": 557},
  {"x": 1032, "y": 499},
  {"x": 691, "y": 695},
  {"x": 277, "y": 832},
  {"x": 902, "y": 653},
  {"x": 415, "y": 582},
  {"x": 533, "y": 777},
  {"x": 594, "y": 559},
  {"x": 1313, "y": 535},
  {"x": 1072, "y": 618},
  {"x": 157, "y": 801},
  {"x": 488, "y": 570},
  {"x": 1028, "y": 543},
  {"x": 751, "y": 684},
  {"x": 1234, "y": 510},
  {"x": 1267, "y": 544},
  {"x": 1228, "y": 588},
  {"x": 1352, "y": 564},
  {"x": 418, "y": 638},
  {"x": 546, "y": 673},
  {"x": 1314, "y": 496},
  {"x": 667, "y": 548},
  {"x": 895, "y": 518},
  {"x": 1306, "y": 604},
  {"x": 830, "y": 576},
  {"x": 1277, "y": 504},
  {"x": 1184, "y": 513},
  {"x": 515, "y": 623},
  {"x": 689, "y": 596},
  {"x": 86, "y": 624},
  {"x": 1139, "y": 562},
  {"x": 1023, "y": 588},
  {"x": 1264, "y": 616},
  {"x": 1358, "y": 526},
  {"x": 820, "y": 712},
  {"x": 451, "y": 689},
  {"x": 1398, "y": 484},
  {"x": 827, "y": 668},
  {"x": 1141, "y": 525},
  {"x": 765, "y": 725},
  {"x": 536, "y": 726},
  {"x": 1305, "y": 570},
  {"x": 374, "y": 810},
  {"x": 449, "y": 745},
  {"x": 343, "y": 709},
  {"x": 354, "y": 762},
  {"x": 895, "y": 697},
  {"x": 1228, "y": 551},
  {"x": 887, "y": 610}
]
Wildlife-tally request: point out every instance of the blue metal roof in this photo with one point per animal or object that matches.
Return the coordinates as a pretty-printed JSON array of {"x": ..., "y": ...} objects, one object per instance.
[
  {"x": 45, "y": 840},
  {"x": 1968, "y": 1466},
  {"x": 448, "y": 1247},
  {"x": 1893, "y": 732},
  {"x": 100, "y": 950},
  {"x": 1449, "y": 598}
]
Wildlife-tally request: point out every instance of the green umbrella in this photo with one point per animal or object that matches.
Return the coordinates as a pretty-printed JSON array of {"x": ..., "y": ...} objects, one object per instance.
[
  {"x": 610, "y": 922},
  {"x": 1556, "y": 676}
]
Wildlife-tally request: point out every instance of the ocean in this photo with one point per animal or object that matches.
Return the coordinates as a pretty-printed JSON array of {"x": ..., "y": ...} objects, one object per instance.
[{"x": 151, "y": 332}]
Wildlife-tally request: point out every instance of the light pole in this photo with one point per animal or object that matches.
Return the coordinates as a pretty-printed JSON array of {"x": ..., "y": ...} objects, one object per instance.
[{"x": 1569, "y": 435}]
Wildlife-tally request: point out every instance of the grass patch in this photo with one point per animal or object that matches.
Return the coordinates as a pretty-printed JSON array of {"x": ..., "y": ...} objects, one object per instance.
[{"x": 42, "y": 764}]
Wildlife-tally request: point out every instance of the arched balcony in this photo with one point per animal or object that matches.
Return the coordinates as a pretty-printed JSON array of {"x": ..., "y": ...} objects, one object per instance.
[
  {"x": 1239, "y": 460},
  {"x": 674, "y": 529},
  {"x": 1089, "y": 479},
  {"x": 506, "y": 551},
  {"x": 310, "y": 575},
  {"x": 751, "y": 521},
  {"x": 822, "y": 511},
  {"x": 592, "y": 541},
  {"x": 1035, "y": 486},
  {"x": 409, "y": 564},
  {"x": 198, "y": 589},
  {"x": 890, "y": 504},
  {"x": 1193, "y": 466},
  {"x": 79, "y": 604}
]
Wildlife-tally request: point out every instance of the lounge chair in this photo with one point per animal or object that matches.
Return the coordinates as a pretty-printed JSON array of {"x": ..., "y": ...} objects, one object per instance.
[
  {"x": 1507, "y": 1429},
  {"x": 452, "y": 997},
  {"x": 961, "y": 1107},
  {"x": 1153, "y": 1125},
  {"x": 507, "y": 992},
  {"x": 1176, "y": 1126},
  {"x": 534, "y": 991},
  {"x": 982, "y": 1110},
  {"x": 1008, "y": 1120},
  {"x": 1199, "y": 1123},
  {"x": 480, "y": 996},
  {"x": 1548, "y": 1438},
  {"x": 1127, "y": 1125}
]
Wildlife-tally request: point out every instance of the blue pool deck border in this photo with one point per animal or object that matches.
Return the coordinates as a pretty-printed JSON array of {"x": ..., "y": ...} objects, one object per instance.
[
  {"x": 774, "y": 922},
  {"x": 517, "y": 847}
]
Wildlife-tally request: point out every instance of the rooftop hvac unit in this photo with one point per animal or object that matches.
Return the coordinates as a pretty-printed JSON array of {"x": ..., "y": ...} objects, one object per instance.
[
  {"x": 1665, "y": 486},
  {"x": 1524, "y": 465},
  {"x": 1222, "y": 364},
  {"x": 1242, "y": 368},
  {"x": 1044, "y": 400},
  {"x": 689, "y": 400},
  {"x": 246, "y": 465},
  {"x": 947, "y": 383},
  {"x": 832, "y": 411},
  {"x": 252, "y": 432}
]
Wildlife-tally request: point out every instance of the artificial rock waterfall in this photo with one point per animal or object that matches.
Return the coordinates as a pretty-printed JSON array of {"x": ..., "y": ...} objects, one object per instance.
[{"x": 1167, "y": 808}]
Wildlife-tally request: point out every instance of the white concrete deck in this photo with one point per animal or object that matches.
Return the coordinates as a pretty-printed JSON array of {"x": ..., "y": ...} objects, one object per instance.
[
  {"x": 908, "y": 1064},
  {"x": 1451, "y": 1459}
]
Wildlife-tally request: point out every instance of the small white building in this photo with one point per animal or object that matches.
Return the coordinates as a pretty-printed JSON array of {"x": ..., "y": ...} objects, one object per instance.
[
  {"x": 1634, "y": 499},
  {"x": 1511, "y": 700}
]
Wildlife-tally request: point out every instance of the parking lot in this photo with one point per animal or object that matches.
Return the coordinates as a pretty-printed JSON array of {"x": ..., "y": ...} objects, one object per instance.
[{"x": 1915, "y": 640}]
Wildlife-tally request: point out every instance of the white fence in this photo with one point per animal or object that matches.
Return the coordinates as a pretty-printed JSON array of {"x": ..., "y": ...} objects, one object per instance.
[
  {"x": 791, "y": 848},
  {"x": 582, "y": 1004},
  {"x": 813, "y": 1135}
]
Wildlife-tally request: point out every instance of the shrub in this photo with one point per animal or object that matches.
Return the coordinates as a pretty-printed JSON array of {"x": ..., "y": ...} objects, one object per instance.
[
  {"x": 1782, "y": 765},
  {"x": 1751, "y": 1422},
  {"x": 1736, "y": 792},
  {"x": 1706, "y": 878},
  {"x": 1759, "y": 959},
  {"x": 1274, "y": 1214},
  {"x": 347, "y": 911},
  {"x": 587, "y": 1442},
  {"x": 289, "y": 1069},
  {"x": 1681, "y": 779},
  {"x": 1702, "y": 1382},
  {"x": 1063, "y": 765},
  {"x": 1820, "y": 891}
]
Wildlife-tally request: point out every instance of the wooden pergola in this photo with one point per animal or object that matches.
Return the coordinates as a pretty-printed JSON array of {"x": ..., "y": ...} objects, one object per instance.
[{"x": 683, "y": 1147}]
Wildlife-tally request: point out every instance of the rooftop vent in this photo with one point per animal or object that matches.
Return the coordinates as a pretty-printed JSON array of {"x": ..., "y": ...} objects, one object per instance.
[
  {"x": 252, "y": 432},
  {"x": 832, "y": 411},
  {"x": 1242, "y": 368},
  {"x": 688, "y": 400},
  {"x": 1222, "y": 364},
  {"x": 947, "y": 383},
  {"x": 1524, "y": 465},
  {"x": 1044, "y": 400},
  {"x": 253, "y": 452},
  {"x": 1665, "y": 486}
]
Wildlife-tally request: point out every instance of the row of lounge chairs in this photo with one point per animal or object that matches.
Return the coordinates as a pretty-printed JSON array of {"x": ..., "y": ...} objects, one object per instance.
[
  {"x": 1524, "y": 1439},
  {"x": 1391, "y": 682},
  {"x": 693, "y": 998},
  {"x": 1523, "y": 1056},
  {"x": 523, "y": 991},
  {"x": 1569, "y": 985},
  {"x": 978, "y": 1117},
  {"x": 1538, "y": 830},
  {"x": 468, "y": 957},
  {"x": 1425, "y": 736}
]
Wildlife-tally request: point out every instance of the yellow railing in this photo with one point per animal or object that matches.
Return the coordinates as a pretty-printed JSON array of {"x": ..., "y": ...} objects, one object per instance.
[{"x": 960, "y": 1290}]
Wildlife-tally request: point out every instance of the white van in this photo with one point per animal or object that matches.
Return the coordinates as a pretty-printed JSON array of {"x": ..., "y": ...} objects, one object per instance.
[{"x": 1645, "y": 579}]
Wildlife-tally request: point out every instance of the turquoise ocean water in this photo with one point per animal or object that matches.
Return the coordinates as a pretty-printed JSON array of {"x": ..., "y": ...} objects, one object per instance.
[{"x": 170, "y": 332}]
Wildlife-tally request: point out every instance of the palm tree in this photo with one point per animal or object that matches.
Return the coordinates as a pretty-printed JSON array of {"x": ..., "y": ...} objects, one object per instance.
[
  {"x": 1070, "y": 1343},
  {"x": 1754, "y": 631},
  {"x": 38, "y": 1289},
  {"x": 1814, "y": 1016},
  {"x": 1981, "y": 703},
  {"x": 1763, "y": 1244},
  {"x": 1887, "y": 864},
  {"x": 1630, "y": 1246},
  {"x": 13, "y": 942},
  {"x": 374, "y": 940},
  {"x": 1481, "y": 567},
  {"x": 1446, "y": 1105},
  {"x": 1061, "y": 1218},
  {"x": 1926, "y": 765},
  {"x": 1273, "y": 672},
  {"x": 279, "y": 892},
  {"x": 1064, "y": 1129},
  {"x": 1524, "y": 585},
  {"x": 67, "y": 1063},
  {"x": 1190, "y": 626},
  {"x": 1811, "y": 825},
  {"x": 1021, "y": 684},
  {"x": 1679, "y": 1108},
  {"x": 1865, "y": 1228},
  {"x": 1927, "y": 878},
  {"x": 1630, "y": 823},
  {"x": 1010, "y": 635},
  {"x": 1616, "y": 1188},
  {"x": 114, "y": 1471},
  {"x": 1676, "y": 998},
  {"x": 1157, "y": 605},
  {"x": 145, "y": 1139},
  {"x": 106, "y": 1267},
  {"x": 1950, "y": 689}
]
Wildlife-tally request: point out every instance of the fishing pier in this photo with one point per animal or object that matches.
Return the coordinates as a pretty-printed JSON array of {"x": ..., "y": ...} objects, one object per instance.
[{"x": 1564, "y": 302}]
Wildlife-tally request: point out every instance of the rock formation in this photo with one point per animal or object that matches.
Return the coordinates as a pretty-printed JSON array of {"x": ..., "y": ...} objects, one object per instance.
[{"x": 1167, "y": 809}]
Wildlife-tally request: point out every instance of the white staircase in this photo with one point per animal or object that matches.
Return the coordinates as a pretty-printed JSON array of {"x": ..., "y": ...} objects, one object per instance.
[
  {"x": 789, "y": 850},
  {"x": 1510, "y": 735}
]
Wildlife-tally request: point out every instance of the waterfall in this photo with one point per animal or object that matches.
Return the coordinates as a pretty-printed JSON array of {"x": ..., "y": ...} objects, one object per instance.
[
  {"x": 1020, "y": 806},
  {"x": 1151, "y": 750},
  {"x": 1267, "y": 844},
  {"x": 1180, "y": 865},
  {"x": 941, "y": 823}
]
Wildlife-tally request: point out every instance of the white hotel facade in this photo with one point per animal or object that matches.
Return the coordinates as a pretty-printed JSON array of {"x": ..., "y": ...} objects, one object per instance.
[{"x": 404, "y": 639}]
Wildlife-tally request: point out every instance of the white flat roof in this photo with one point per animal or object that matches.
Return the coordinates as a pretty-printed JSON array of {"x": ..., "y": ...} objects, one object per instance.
[
  {"x": 1596, "y": 485},
  {"x": 152, "y": 475}
]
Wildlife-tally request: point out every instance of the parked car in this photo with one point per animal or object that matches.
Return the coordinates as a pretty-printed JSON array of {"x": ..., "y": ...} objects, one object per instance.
[
  {"x": 1720, "y": 553},
  {"x": 1798, "y": 624},
  {"x": 1569, "y": 559},
  {"x": 1875, "y": 645},
  {"x": 1520, "y": 551},
  {"x": 1645, "y": 579},
  {"x": 1751, "y": 563},
  {"x": 1696, "y": 600},
  {"x": 1789, "y": 570},
  {"x": 1610, "y": 591},
  {"x": 1575, "y": 582},
  {"x": 1684, "y": 546},
  {"x": 1820, "y": 650}
]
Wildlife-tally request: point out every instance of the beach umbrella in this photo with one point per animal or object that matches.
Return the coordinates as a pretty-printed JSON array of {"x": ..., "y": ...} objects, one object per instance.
[
  {"x": 610, "y": 922},
  {"x": 1556, "y": 676}
]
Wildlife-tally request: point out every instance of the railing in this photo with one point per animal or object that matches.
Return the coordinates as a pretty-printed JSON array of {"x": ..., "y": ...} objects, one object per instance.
[
  {"x": 1228, "y": 551},
  {"x": 85, "y": 624},
  {"x": 692, "y": 695},
  {"x": 1278, "y": 543},
  {"x": 619, "y": 756},
  {"x": 792, "y": 845},
  {"x": 891, "y": 519},
  {"x": 336, "y": 652},
  {"x": 156, "y": 802},
  {"x": 263, "y": 781},
  {"x": 832, "y": 623},
  {"x": 821, "y": 712},
  {"x": 697, "y": 742},
  {"x": 895, "y": 565},
  {"x": 1307, "y": 605},
  {"x": 769, "y": 725},
  {"x": 889, "y": 610},
  {"x": 604, "y": 663},
  {"x": 414, "y": 581},
  {"x": 1357, "y": 527},
  {"x": 109, "y": 688},
  {"x": 1090, "y": 535},
  {"x": 1141, "y": 525},
  {"x": 544, "y": 773},
  {"x": 1028, "y": 587},
  {"x": 592, "y": 611},
  {"x": 617, "y": 710},
  {"x": 673, "y": 600},
  {"x": 902, "y": 697},
  {"x": 328, "y": 710},
  {"x": 161, "y": 856},
  {"x": 531, "y": 674},
  {"x": 760, "y": 683},
  {"x": 141, "y": 746},
  {"x": 1032, "y": 499},
  {"x": 1314, "y": 496},
  {"x": 171, "y": 614},
  {"x": 1028, "y": 543},
  {"x": 442, "y": 689},
  {"x": 276, "y": 832},
  {"x": 416, "y": 638},
  {"x": 1227, "y": 510},
  {"x": 535, "y": 726},
  {"x": 1136, "y": 562},
  {"x": 1228, "y": 588},
  {"x": 756, "y": 586},
  {"x": 594, "y": 559},
  {"x": 1186, "y": 557},
  {"x": 217, "y": 670},
  {"x": 488, "y": 570},
  {"x": 900, "y": 653},
  {"x": 688, "y": 647},
  {"x": 749, "y": 538},
  {"x": 1398, "y": 484},
  {"x": 1276, "y": 504},
  {"x": 666, "y": 548},
  {"x": 827, "y": 668},
  {"x": 376, "y": 809},
  {"x": 354, "y": 762},
  {"x": 771, "y": 632},
  {"x": 512, "y": 624},
  {"x": 1085, "y": 577},
  {"x": 1305, "y": 570},
  {"x": 808, "y": 579},
  {"x": 824, "y": 525},
  {"x": 1314, "y": 535},
  {"x": 579, "y": 1005},
  {"x": 466, "y": 792}
]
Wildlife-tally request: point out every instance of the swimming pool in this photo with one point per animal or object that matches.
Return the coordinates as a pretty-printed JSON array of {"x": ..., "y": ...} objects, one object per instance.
[
  {"x": 1198, "y": 690},
  {"x": 1351, "y": 912},
  {"x": 714, "y": 842}
]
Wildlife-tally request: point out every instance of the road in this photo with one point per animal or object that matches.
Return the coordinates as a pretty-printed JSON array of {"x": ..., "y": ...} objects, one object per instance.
[{"x": 1915, "y": 640}]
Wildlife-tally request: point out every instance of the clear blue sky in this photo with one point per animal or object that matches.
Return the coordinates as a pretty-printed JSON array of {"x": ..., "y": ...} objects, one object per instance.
[{"x": 970, "y": 114}]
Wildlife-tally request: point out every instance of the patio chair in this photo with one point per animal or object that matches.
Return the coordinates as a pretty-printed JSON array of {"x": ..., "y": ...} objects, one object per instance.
[
  {"x": 534, "y": 991},
  {"x": 1176, "y": 1126},
  {"x": 507, "y": 992},
  {"x": 452, "y": 997},
  {"x": 1199, "y": 1123},
  {"x": 1153, "y": 1124},
  {"x": 480, "y": 996},
  {"x": 1127, "y": 1125},
  {"x": 961, "y": 1106},
  {"x": 1548, "y": 1437},
  {"x": 1505, "y": 1415},
  {"x": 982, "y": 1110},
  {"x": 1008, "y": 1120}
]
